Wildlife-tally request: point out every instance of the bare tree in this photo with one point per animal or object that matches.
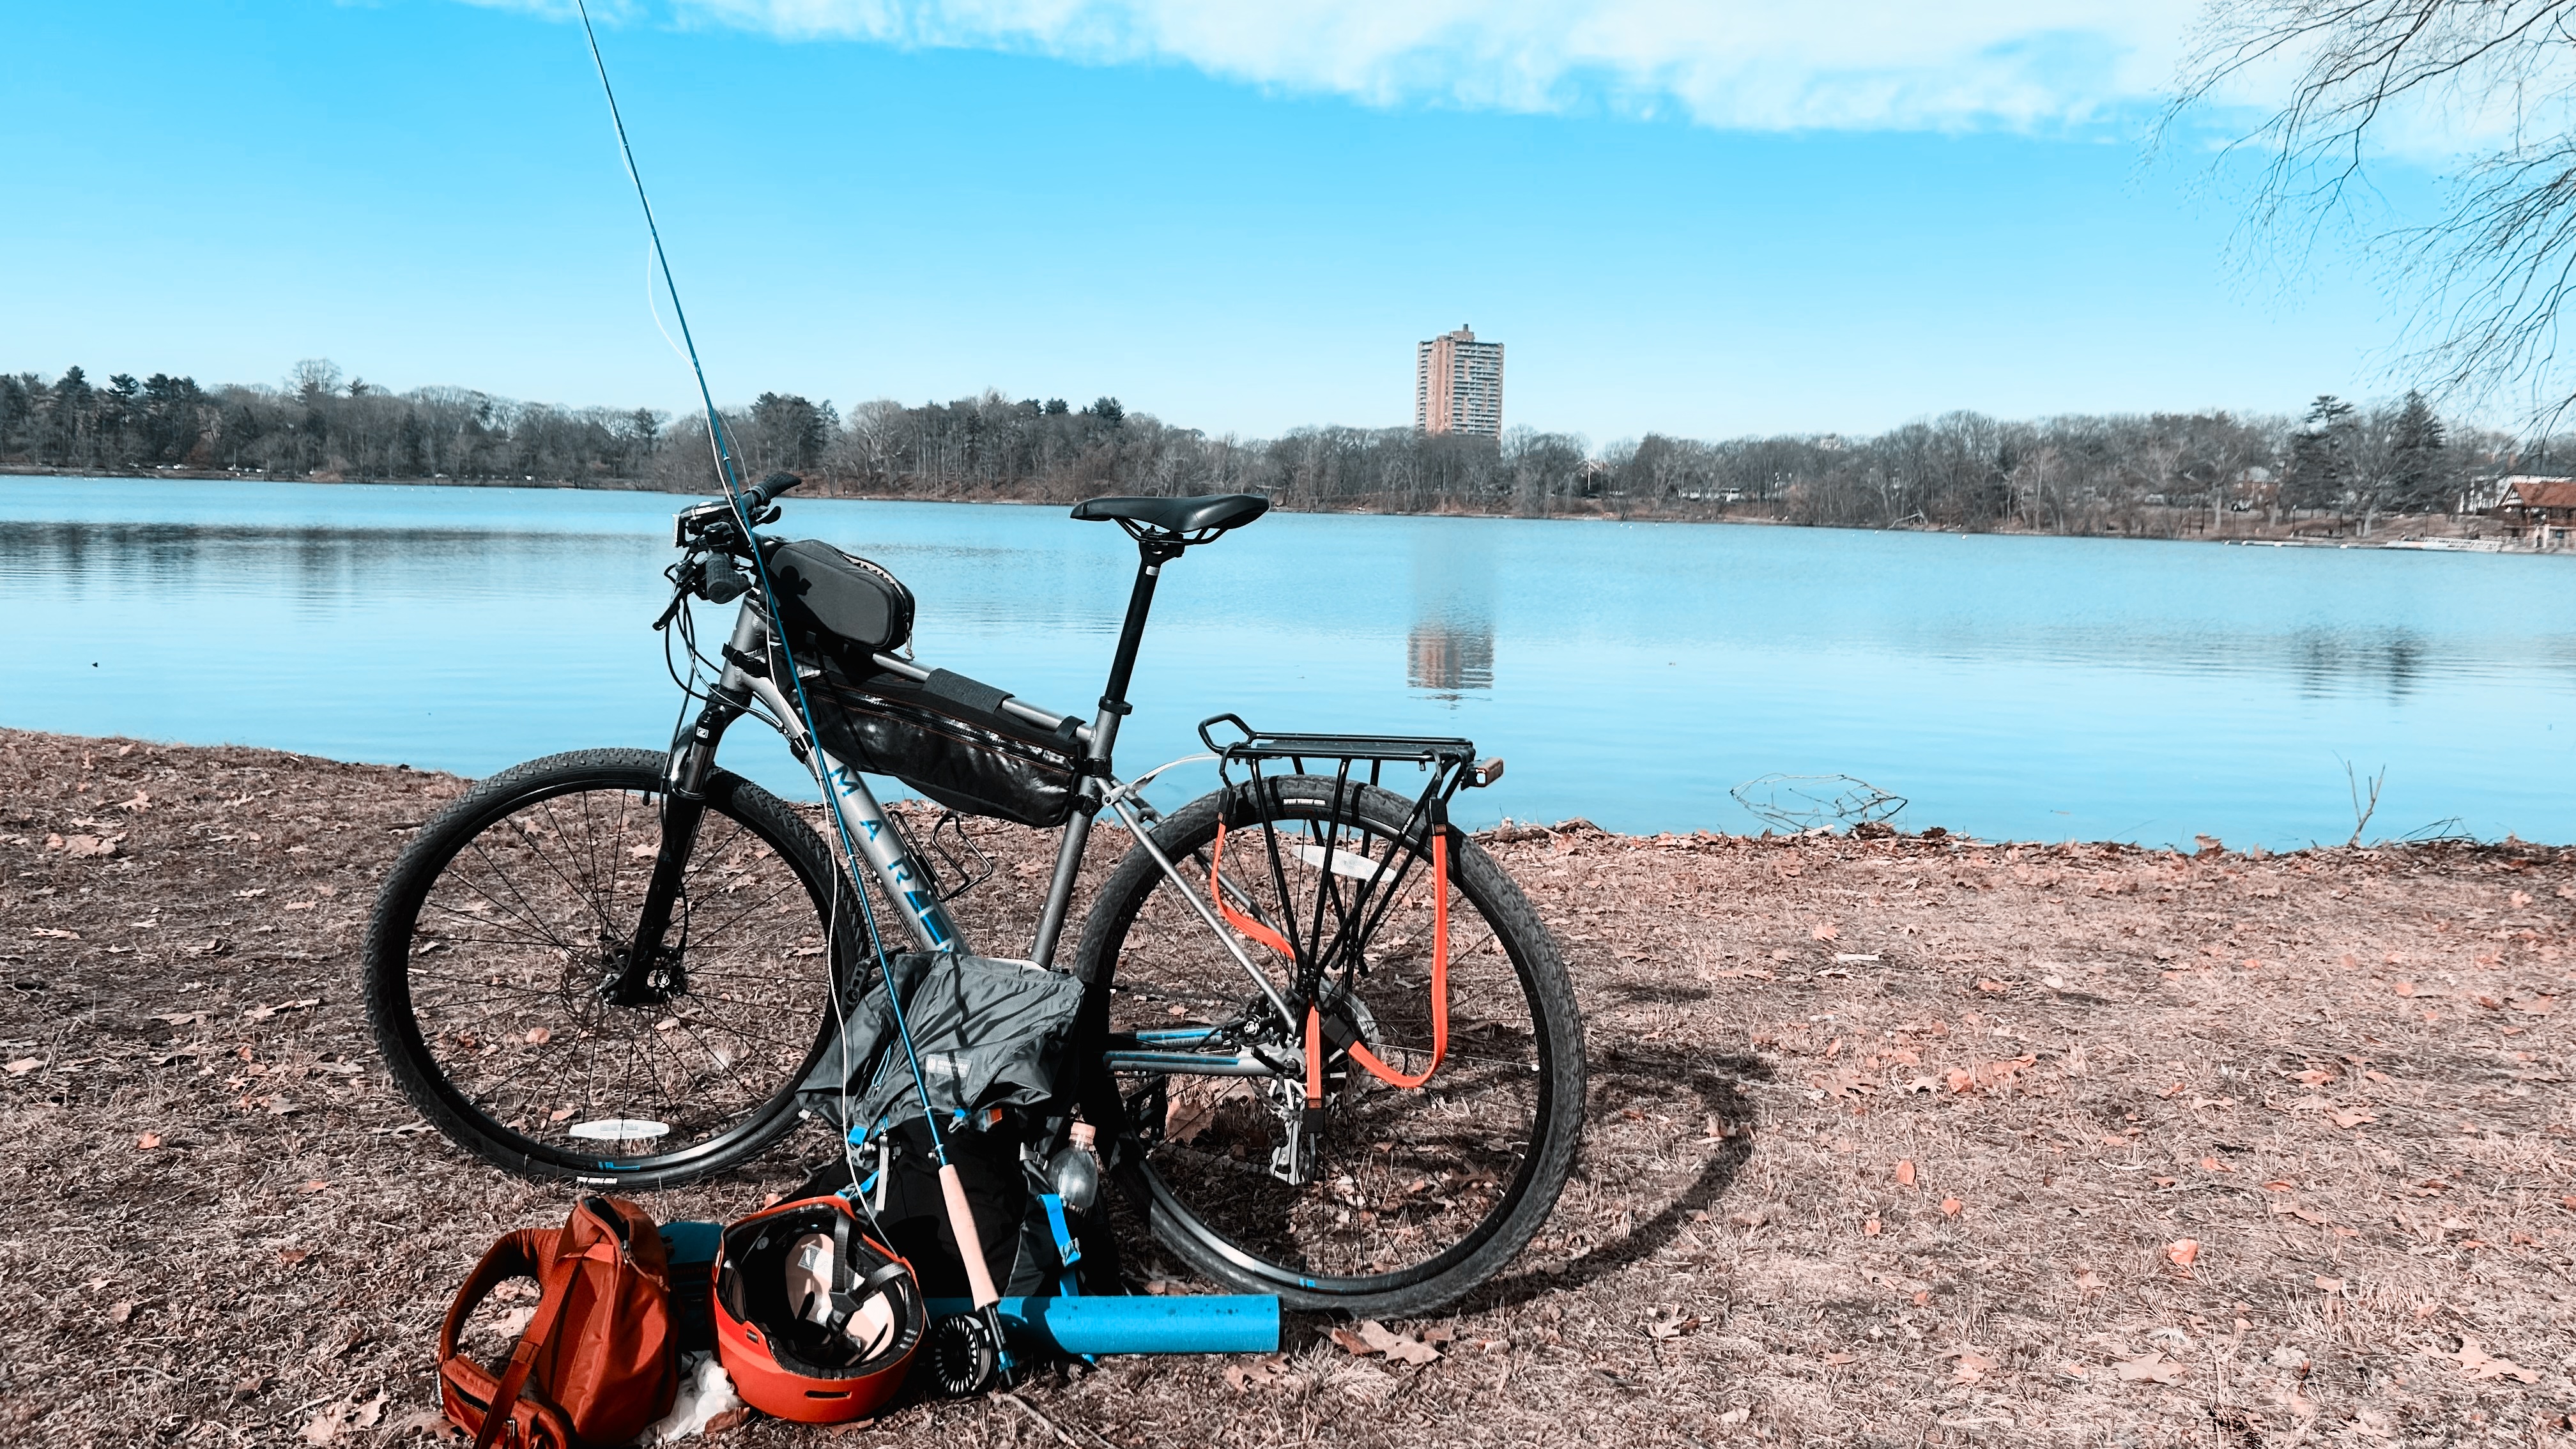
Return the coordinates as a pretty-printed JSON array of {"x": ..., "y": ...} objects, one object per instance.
[{"x": 2492, "y": 271}]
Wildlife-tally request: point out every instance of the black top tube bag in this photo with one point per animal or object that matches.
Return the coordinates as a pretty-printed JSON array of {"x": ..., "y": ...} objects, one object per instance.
[{"x": 837, "y": 602}]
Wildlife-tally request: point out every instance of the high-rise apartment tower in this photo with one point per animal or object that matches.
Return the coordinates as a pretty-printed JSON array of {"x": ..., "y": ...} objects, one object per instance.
[{"x": 1458, "y": 385}]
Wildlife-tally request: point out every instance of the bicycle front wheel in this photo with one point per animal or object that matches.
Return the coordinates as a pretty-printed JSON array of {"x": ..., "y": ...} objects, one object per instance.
[
  {"x": 498, "y": 933},
  {"x": 1409, "y": 1197}
]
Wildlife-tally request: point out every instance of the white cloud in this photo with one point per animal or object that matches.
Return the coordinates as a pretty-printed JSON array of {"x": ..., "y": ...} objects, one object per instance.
[{"x": 1780, "y": 65}]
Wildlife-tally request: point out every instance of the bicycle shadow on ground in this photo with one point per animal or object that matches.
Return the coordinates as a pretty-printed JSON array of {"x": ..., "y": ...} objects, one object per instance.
[{"x": 1658, "y": 1083}]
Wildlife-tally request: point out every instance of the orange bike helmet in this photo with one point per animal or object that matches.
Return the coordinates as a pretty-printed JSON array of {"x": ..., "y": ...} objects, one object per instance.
[{"x": 815, "y": 1322}]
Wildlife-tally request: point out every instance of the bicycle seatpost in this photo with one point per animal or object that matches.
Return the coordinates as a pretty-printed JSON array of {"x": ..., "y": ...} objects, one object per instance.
[{"x": 1153, "y": 552}]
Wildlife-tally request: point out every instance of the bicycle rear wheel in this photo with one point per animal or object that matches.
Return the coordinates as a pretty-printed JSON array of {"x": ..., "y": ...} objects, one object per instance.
[
  {"x": 500, "y": 925},
  {"x": 1414, "y": 1196}
]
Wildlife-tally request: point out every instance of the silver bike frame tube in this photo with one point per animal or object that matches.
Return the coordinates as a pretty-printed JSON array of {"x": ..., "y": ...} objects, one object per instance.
[
  {"x": 1135, "y": 824},
  {"x": 879, "y": 838}
]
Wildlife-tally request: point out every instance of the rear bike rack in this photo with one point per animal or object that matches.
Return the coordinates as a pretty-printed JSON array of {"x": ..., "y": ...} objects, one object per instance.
[{"x": 1353, "y": 894}]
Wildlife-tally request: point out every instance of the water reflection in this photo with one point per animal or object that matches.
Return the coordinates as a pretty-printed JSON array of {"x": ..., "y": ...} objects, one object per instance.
[
  {"x": 1450, "y": 649},
  {"x": 317, "y": 564},
  {"x": 2328, "y": 659},
  {"x": 1447, "y": 660}
]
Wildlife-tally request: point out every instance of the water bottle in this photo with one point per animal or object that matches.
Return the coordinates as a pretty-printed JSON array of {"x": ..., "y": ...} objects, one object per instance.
[{"x": 1075, "y": 1171}]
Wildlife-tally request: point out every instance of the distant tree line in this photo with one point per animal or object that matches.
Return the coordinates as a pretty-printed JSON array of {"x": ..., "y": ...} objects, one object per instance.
[{"x": 2346, "y": 465}]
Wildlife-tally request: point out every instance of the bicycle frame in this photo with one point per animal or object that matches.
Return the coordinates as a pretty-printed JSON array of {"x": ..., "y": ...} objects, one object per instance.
[{"x": 890, "y": 856}]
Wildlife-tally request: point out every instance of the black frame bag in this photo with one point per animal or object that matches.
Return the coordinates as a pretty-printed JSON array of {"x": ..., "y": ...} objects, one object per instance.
[{"x": 947, "y": 737}]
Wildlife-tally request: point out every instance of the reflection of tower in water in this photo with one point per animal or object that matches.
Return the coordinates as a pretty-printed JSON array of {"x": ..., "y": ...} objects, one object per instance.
[
  {"x": 1448, "y": 657},
  {"x": 1451, "y": 647}
]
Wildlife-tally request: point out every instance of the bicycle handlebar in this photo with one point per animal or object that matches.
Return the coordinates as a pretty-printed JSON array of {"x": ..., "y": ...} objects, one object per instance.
[{"x": 770, "y": 487}]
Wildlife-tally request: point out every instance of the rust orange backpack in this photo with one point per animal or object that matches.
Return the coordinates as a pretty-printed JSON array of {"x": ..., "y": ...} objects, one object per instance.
[{"x": 597, "y": 1363}]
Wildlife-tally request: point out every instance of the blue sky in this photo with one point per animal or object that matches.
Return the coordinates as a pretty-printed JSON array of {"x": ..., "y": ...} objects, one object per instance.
[{"x": 1707, "y": 219}]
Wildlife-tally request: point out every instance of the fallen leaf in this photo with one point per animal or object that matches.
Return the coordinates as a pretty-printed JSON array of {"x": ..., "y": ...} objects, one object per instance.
[
  {"x": 540, "y": 1035},
  {"x": 23, "y": 1065},
  {"x": 1870, "y": 1228},
  {"x": 263, "y": 1013},
  {"x": 248, "y": 1388},
  {"x": 2329, "y": 1285},
  {"x": 2404, "y": 988},
  {"x": 148, "y": 1141},
  {"x": 120, "y": 1313},
  {"x": 2088, "y": 1281},
  {"x": 1992, "y": 987},
  {"x": 2183, "y": 1251},
  {"x": 365, "y": 1415},
  {"x": 1826, "y": 932},
  {"x": 2150, "y": 1367},
  {"x": 1971, "y": 1365},
  {"x": 326, "y": 1425},
  {"x": 2351, "y": 1119},
  {"x": 52, "y": 933},
  {"x": 1349, "y": 1342},
  {"x": 293, "y": 1256},
  {"x": 1904, "y": 1169},
  {"x": 1403, "y": 1347},
  {"x": 1668, "y": 1322},
  {"x": 300, "y": 905},
  {"x": 2535, "y": 1005},
  {"x": 1986, "y": 1076},
  {"x": 316, "y": 1185},
  {"x": 1261, "y": 1373},
  {"x": 2477, "y": 1363},
  {"x": 1950, "y": 1207},
  {"x": 1849, "y": 1082},
  {"x": 1838, "y": 1357},
  {"x": 89, "y": 845}
]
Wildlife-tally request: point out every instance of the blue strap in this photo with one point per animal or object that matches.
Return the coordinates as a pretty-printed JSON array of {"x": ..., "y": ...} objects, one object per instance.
[{"x": 1067, "y": 1251}]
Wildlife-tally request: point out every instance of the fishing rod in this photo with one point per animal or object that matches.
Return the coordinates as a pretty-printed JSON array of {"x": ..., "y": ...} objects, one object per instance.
[{"x": 961, "y": 1220}]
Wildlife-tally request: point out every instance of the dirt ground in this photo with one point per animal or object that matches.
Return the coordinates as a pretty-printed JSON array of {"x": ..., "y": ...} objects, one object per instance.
[{"x": 1893, "y": 1142}]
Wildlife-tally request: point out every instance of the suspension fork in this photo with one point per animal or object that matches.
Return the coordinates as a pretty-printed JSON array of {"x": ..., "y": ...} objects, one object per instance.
[{"x": 684, "y": 807}]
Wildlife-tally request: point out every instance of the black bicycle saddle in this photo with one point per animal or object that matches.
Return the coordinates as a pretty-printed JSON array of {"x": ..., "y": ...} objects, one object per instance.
[{"x": 1211, "y": 515}]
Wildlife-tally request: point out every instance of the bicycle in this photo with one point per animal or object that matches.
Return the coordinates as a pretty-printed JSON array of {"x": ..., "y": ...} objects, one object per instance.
[{"x": 1328, "y": 1047}]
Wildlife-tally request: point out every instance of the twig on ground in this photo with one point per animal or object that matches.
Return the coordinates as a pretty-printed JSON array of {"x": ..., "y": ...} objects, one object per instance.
[{"x": 2361, "y": 812}]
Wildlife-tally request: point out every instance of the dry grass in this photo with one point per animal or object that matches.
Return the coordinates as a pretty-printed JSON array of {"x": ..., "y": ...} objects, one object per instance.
[{"x": 2336, "y": 1072}]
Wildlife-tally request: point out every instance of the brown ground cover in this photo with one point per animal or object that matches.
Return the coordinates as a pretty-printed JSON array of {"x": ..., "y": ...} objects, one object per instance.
[{"x": 1894, "y": 1141}]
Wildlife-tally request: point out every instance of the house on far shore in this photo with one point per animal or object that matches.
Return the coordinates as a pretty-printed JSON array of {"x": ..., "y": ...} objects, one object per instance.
[{"x": 2540, "y": 509}]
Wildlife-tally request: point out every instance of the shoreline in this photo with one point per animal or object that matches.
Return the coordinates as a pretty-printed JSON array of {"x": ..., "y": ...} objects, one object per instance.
[{"x": 2282, "y": 535}]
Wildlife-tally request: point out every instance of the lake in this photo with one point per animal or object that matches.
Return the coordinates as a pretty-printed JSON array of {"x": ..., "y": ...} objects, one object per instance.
[{"x": 2010, "y": 688}]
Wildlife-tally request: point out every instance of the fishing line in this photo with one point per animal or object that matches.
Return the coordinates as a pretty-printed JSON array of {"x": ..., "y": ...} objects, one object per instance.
[{"x": 777, "y": 630}]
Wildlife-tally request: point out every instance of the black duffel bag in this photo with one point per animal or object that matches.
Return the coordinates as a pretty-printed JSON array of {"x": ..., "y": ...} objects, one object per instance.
[{"x": 947, "y": 737}]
